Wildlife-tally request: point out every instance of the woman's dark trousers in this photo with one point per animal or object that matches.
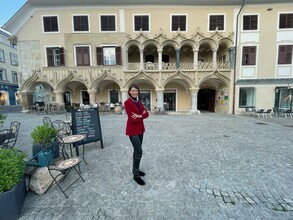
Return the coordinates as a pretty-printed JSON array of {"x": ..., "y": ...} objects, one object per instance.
[{"x": 137, "y": 153}]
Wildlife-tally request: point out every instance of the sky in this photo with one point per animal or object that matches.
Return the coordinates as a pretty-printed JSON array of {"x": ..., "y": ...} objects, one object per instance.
[{"x": 8, "y": 8}]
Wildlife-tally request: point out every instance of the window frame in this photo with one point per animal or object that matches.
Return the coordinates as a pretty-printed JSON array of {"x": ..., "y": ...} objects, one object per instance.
[
  {"x": 149, "y": 22},
  {"x": 43, "y": 26},
  {"x": 61, "y": 56},
  {"x": 253, "y": 97},
  {"x": 75, "y": 54},
  {"x": 3, "y": 56},
  {"x": 279, "y": 18},
  {"x": 100, "y": 55},
  {"x": 249, "y": 58},
  {"x": 186, "y": 22},
  {"x": 251, "y": 30},
  {"x": 3, "y": 73},
  {"x": 286, "y": 52},
  {"x": 108, "y": 15},
  {"x": 13, "y": 59},
  {"x": 88, "y": 20},
  {"x": 217, "y": 14},
  {"x": 14, "y": 76}
]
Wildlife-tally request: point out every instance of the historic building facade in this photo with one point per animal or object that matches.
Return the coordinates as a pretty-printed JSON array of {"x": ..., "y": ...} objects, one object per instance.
[
  {"x": 182, "y": 57},
  {"x": 8, "y": 69}
]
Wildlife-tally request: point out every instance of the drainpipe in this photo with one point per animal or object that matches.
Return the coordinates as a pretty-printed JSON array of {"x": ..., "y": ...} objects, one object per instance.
[{"x": 235, "y": 57}]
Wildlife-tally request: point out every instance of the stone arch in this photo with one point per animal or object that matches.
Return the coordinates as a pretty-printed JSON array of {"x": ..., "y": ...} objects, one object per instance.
[
  {"x": 35, "y": 77},
  {"x": 132, "y": 43},
  {"x": 226, "y": 41},
  {"x": 179, "y": 77},
  {"x": 104, "y": 77},
  {"x": 70, "y": 78},
  {"x": 171, "y": 43},
  {"x": 218, "y": 77},
  {"x": 209, "y": 42},
  {"x": 151, "y": 42},
  {"x": 188, "y": 42},
  {"x": 142, "y": 78}
]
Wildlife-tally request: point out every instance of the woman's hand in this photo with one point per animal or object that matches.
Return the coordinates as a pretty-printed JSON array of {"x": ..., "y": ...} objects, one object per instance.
[{"x": 135, "y": 116}]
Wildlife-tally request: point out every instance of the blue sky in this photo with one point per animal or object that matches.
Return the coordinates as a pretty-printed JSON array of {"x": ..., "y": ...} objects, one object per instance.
[{"x": 8, "y": 8}]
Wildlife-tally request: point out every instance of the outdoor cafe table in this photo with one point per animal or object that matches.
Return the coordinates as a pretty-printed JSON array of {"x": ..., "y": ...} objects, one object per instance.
[{"x": 73, "y": 140}]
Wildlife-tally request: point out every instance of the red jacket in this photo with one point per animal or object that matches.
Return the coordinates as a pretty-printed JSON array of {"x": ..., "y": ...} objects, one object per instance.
[{"x": 134, "y": 126}]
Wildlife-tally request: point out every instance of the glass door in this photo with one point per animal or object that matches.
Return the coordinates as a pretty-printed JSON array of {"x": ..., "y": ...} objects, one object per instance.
[{"x": 170, "y": 100}]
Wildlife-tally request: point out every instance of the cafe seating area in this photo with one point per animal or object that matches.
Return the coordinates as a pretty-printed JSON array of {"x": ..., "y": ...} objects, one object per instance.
[
  {"x": 8, "y": 137},
  {"x": 46, "y": 109},
  {"x": 269, "y": 112}
]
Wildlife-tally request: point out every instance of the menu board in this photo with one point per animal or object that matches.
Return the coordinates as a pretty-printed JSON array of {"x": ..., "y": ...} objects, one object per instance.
[{"x": 87, "y": 122}]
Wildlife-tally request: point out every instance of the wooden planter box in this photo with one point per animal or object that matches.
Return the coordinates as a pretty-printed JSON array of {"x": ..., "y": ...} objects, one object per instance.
[{"x": 11, "y": 202}]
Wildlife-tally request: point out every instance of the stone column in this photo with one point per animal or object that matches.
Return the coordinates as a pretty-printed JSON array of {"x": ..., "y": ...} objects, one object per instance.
[
  {"x": 195, "y": 59},
  {"x": 214, "y": 59},
  {"x": 124, "y": 94},
  {"x": 59, "y": 97},
  {"x": 160, "y": 99},
  {"x": 24, "y": 100},
  {"x": 177, "y": 58},
  {"x": 92, "y": 93},
  {"x": 126, "y": 59},
  {"x": 160, "y": 59},
  {"x": 193, "y": 108},
  {"x": 141, "y": 59}
]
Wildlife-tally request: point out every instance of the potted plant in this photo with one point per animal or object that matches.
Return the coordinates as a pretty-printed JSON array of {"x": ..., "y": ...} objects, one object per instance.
[
  {"x": 12, "y": 183},
  {"x": 44, "y": 135}
]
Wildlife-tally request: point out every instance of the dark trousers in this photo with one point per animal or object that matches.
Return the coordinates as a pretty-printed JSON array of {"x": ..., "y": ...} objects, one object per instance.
[{"x": 137, "y": 152}]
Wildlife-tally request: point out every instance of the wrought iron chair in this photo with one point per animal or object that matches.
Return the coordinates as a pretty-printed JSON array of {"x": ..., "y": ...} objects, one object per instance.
[
  {"x": 47, "y": 120},
  {"x": 65, "y": 165},
  {"x": 10, "y": 135},
  {"x": 62, "y": 128}
]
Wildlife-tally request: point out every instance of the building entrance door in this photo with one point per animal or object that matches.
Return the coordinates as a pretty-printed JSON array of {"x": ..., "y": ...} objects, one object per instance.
[
  {"x": 206, "y": 100},
  {"x": 85, "y": 97},
  {"x": 145, "y": 98},
  {"x": 170, "y": 100}
]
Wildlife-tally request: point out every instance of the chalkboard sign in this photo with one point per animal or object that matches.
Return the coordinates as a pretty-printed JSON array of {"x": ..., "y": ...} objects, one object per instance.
[{"x": 87, "y": 122}]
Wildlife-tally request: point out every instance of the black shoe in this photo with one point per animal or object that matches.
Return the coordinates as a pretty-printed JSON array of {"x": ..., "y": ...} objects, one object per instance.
[
  {"x": 139, "y": 180},
  {"x": 141, "y": 173}
]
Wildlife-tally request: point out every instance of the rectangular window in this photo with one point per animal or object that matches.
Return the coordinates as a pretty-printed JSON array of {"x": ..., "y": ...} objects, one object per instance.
[
  {"x": 141, "y": 22},
  {"x": 14, "y": 77},
  {"x": 286, "y": 21},
  {"x": 108, "y": 23},
  {"x": 285, "y": 54},
  {"x": 80, "y": 23},
  {"x": 179, "y": 22},
  {"x": 246, "y": 97},
  {"x": 250, "y": 22},
  {"x": 3, "y": 75},
  {"x": 249, "y": 55},
  {"x": 50, "y": 24},
  {"x": 13, "y": 59},
  {"x": 55, "y": 56},
  {"x": 216, "y": 22},
  {"x": 108, "y": 55},
  {"x": 82, "y": 55},
  {"x": 2, "y": 57}
]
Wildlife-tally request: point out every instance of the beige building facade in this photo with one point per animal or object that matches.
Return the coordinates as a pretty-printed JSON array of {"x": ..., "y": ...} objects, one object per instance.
[{"x": 192, "y": 57}]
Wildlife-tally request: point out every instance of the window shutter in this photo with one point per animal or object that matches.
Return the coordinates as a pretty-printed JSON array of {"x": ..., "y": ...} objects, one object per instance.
[
  {"x": 61, "y": 54},
  {"x": 118, "y": 56},
  {"x": 99, "y": 56},
  {"x": 50, "y": 61}
]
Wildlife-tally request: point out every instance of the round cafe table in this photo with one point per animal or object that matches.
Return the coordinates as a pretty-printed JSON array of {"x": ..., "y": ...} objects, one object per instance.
[{"x": 74, "y": 139}]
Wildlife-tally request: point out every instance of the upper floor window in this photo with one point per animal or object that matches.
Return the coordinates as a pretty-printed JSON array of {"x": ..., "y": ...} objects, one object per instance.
[
  {"x": 109, "y": 55},
  {"x": 217, "y": 22},
  {"x": 82, "y": 55},
  {"x": 80, "y": 23},
  {"x": 50, "y": 23},
  {"x": 13, "y": 59},
  {"x": 286, "y": 21},
  {"x": 14, "y": 77},
  {"x": 2, "y": 57},
  {"x": 3, "y": 75},
  {"x": 250, "y": 22},
  {"x": 108, "y": 22},
  {"x": 285, "y": 54},
  {"x": 249, "y": 55},
  {"x": 179, "y": 22},
  {"x": 141, "y": 22},
  {"x": 55, "y": 56}
]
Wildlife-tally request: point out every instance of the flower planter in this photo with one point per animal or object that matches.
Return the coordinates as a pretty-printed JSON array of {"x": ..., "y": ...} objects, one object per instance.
[{"x": 11, "y": 202}]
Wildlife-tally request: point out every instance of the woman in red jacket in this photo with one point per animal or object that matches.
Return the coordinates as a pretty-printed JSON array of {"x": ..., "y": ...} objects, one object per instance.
[{"x": 136, "y": 112}]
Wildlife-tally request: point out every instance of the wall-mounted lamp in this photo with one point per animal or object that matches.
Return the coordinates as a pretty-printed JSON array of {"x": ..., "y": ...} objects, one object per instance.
[{"x": 269, "y": 9}]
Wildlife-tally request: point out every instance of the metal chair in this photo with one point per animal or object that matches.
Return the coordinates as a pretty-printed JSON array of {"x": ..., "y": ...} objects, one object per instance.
[
  {"x": 47, "y": 120},
  {"x": 65, "y": 165},
  {"x": 62, "y": 127},
  {"x": 11, "y": 134}
]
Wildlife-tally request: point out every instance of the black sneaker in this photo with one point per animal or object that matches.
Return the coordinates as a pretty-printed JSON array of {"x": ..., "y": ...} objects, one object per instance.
[
  {"x": 141, "y": 173},
  {"x": 139, "y": 180}
]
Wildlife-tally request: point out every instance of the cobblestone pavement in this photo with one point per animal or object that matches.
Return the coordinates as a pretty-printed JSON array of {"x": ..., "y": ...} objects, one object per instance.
[{"x": 207, "y": 166}]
